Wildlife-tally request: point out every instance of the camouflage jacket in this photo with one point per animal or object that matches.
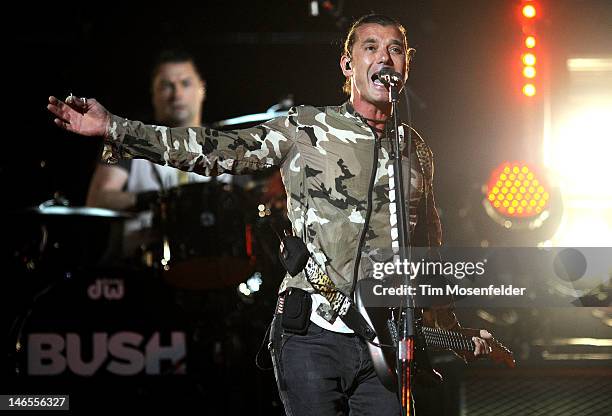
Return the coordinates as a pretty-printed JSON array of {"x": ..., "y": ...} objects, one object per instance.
[{"x": 328, "y": 158}]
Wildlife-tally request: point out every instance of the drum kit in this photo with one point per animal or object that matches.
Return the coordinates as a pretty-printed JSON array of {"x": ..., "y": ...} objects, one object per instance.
[
  {"x": 202, "y": 235},
  {"x": 207, "y": 240}
]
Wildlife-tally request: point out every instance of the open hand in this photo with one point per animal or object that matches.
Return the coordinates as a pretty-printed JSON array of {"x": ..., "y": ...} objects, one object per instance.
[{"x": 84, "y": 116}]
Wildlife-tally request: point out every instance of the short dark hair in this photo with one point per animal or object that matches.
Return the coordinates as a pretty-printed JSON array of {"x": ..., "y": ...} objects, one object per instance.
[
  {"x": 379, "y": 19},
  {"x": 173, "y": 56}
]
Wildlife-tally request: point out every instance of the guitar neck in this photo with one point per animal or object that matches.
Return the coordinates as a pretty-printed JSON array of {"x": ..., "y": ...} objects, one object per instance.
[{"x": 445, "y": 339}]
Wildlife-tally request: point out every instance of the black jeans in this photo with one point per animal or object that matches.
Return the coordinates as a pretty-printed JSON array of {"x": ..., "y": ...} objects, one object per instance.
[{"x": 327, "y": 373}]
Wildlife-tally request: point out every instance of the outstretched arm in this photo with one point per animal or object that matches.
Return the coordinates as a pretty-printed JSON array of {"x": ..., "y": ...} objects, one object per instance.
[{"x": 198, "y": 149}]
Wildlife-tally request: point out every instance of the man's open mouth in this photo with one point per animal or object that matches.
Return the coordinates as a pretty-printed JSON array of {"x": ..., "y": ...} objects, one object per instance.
[{"x": 376, "y": 80}]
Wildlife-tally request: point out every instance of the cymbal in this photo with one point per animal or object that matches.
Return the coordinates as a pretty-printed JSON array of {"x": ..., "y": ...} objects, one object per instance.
[
  {"x": 58, "y": 210},
  {"x": 249, "y": 118}
]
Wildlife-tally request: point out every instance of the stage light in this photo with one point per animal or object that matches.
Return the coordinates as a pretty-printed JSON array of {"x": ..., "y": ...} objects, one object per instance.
[
  {"x": 529, "y": 59},
  {"x": 527, "y": 213},
  {"x": 529, "y": 11},
  {"x": 584, "y": 123},
  {"x": 601, "y": 64},
  {"x": 529, "y": 90},
  {"x": 585, "y": 180},
  {"x": 529, "y": 72},
  {"x": 530, "y": 42},
  {"x": 242, "y": 288},
  {"x": 514, "y": 190},
  {"x": 254, "y": 282},
  {"x": 589, "y": 175}
]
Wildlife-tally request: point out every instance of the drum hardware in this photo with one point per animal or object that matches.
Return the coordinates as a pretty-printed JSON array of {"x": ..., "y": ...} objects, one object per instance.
[{"x": 164, "y": 226}]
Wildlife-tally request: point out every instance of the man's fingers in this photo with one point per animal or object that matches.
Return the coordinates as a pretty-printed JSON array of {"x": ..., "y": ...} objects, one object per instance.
[
  {"x": 61, "y": 111},
  {"x": 56, "y": 105},
  {"x": 484, "y": 334},
  {"x": 63, "y": 124},
  {"x": 481, "y": 347},
  {"x": 476, "y": 342},
  {"x": 53, "y": 108},
  {"x": 78, "y": 103},
  {"x": 56, "y": 109},
  {"x": 80, "y": 115},
  {"x": 53, "y": 105}
]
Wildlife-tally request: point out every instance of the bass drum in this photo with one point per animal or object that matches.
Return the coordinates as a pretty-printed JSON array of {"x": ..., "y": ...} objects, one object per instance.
[
  {"x": 206, "y": 240},
  {"x": 114, "y": 332}
]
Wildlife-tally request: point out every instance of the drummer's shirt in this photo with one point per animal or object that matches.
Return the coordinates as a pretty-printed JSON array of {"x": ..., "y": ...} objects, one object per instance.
[
  {"x": 142, "y": 178},
  {"x": 378, "y": 237}
]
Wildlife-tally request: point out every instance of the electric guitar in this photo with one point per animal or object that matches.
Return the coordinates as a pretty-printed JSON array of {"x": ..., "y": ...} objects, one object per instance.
[{"x": 383, "y": 352}]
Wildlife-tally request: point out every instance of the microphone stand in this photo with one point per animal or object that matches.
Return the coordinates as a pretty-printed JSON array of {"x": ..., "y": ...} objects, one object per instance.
[{"x": 406, "y": 331}]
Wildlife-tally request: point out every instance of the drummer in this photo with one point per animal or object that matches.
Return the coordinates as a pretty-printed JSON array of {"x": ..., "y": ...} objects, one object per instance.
[{"x": 178, "y": 93}]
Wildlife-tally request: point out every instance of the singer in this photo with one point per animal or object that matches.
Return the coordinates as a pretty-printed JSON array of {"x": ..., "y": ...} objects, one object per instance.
[{"x": 334, "y": 163}]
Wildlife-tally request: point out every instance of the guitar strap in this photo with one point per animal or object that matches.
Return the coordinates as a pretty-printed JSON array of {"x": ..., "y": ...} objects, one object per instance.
[{"x": 341, "y": 305}]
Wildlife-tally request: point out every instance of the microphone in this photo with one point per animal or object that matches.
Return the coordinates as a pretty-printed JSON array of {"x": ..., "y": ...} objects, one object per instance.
[{"x": 389, "y": 77}]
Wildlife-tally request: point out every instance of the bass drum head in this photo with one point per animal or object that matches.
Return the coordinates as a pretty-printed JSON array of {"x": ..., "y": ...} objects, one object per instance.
[
  {"x": 123, "y": 338},
  {"x": 97, "y": 333}
]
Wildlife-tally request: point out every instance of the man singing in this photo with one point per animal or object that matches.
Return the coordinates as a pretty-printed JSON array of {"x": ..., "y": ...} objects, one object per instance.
[{"x": 335, "y": 164}]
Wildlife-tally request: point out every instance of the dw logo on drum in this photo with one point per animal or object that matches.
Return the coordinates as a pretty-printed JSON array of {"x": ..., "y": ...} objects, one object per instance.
[{"x": 111, "y": 289}]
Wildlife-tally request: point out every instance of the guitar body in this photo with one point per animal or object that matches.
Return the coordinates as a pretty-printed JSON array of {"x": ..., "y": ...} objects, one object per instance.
[{"x": 384, "y": 356}]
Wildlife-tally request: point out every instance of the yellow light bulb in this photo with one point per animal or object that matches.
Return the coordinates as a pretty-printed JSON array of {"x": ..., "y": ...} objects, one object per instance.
[
  {"x": 529, "y": 11},
  {"x": 529, "y": 90}
]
